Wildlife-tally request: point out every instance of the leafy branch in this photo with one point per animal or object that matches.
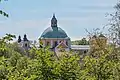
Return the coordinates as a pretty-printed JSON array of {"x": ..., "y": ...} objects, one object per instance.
[{"x": 2, "y": 12}]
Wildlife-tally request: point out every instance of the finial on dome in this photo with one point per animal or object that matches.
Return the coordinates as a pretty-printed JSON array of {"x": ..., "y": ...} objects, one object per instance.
[{"x": 53, "y": 15}]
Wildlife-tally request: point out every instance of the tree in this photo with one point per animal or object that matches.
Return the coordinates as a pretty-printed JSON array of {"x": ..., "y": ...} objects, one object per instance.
[
  {"x": 68, "y": 67},
  {"x": 114, "y": 24},
  {"x": 2, "y": 12},
  {"x": 83, "y": 41}
]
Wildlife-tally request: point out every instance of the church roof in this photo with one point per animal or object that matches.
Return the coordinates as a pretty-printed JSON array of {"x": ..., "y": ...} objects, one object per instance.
[
  {"x": 54, "y": 31},
  {"x": 62, "y": 45}
]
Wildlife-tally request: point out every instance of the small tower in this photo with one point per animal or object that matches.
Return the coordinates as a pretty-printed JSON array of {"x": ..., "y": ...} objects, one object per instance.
[
  {"x": 19, "y": 39},
  {"x": 53, "y": 21},
  {"x": 25, "y": 43},
  {"x": 25, "y": 38}
]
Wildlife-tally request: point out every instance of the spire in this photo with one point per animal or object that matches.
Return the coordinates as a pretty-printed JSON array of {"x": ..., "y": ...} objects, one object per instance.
[
  {"x": 53, "y": 15},
  {"x": 53, "y": 21},
  {"x": 25, "y": 38},
  {"x": 19, "y": 39}
]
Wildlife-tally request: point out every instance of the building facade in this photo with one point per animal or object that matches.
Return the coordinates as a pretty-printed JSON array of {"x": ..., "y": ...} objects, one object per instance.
[
  {"x": 54, "y": 37},
  {"x": 25, "y": 43}
]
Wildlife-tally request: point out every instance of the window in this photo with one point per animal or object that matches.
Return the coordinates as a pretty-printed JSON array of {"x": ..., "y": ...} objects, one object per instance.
[
  {"x": 48, "y": 43},
  {"x": 66, "y": 43},
  {"x": 26, "y": 45}
]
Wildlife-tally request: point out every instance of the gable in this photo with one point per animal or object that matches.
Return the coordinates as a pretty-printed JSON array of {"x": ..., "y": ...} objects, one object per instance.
[{"x": 62, "y": 45}]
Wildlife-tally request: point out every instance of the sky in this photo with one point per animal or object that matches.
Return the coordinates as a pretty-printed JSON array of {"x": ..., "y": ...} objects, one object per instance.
[{"x": 32, "y": 17}]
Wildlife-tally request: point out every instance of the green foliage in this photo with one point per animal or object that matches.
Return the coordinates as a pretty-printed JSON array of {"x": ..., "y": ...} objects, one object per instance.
[
  {"x": 2, "y": 12},
  {"x": 69, "y": 67},
  {"x": 80, "y": 42},
  {"x": 102, "y": 68},
  {"x": 42, "y": 64}
]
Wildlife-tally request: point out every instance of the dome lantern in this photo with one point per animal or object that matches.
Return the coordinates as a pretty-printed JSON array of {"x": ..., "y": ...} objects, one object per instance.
[{"x": 53, "y": 21}]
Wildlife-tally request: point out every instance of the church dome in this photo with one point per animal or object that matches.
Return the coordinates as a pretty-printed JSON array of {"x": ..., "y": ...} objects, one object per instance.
[{"x": 54, "y": 32}]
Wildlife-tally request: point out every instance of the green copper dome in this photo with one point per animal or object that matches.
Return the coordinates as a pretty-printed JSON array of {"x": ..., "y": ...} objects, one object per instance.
[{"x": 54, "y": 32}]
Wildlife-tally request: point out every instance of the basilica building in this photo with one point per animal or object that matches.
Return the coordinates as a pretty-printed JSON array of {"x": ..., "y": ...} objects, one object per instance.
[{"x": 55, "y": 37}]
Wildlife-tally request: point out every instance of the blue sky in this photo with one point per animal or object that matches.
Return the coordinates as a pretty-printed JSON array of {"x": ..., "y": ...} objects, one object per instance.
[{"x": 32, "y": 17}]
